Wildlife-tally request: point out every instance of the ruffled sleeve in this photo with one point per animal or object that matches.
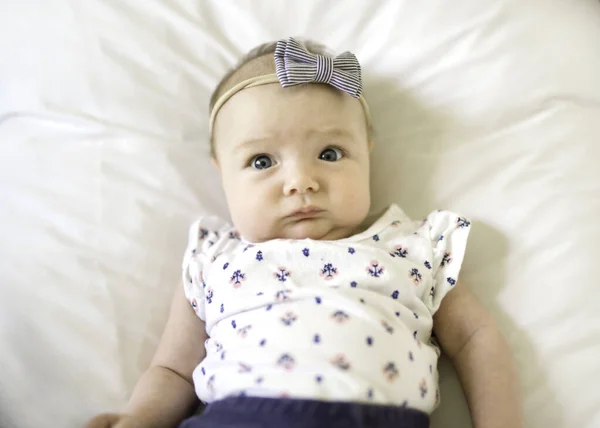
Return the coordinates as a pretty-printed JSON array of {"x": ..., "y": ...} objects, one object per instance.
[
  {"x": 203, "y": 240},
  {"x": 448, "y": 233}
]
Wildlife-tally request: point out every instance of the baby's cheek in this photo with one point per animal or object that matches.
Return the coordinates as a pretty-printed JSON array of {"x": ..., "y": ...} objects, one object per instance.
[
  {"x": 354, "y": 189},
  {"x": 250, "y": 208},
  {"x": 355, "y": 195}
]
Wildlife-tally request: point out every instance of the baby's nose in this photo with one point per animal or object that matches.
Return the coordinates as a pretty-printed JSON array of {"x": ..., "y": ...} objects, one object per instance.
[{"x": 300, "y": 180}]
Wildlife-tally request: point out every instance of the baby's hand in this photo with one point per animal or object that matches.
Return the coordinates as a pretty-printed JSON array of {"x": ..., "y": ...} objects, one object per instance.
[{"x": 113, "y": 420}]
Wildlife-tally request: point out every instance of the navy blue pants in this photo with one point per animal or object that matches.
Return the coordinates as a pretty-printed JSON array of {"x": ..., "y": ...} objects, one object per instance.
[{"x": 254, "y": 412}]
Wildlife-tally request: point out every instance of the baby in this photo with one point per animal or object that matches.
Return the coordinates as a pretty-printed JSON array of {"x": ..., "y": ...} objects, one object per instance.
[{"x": 305, "y": 313}]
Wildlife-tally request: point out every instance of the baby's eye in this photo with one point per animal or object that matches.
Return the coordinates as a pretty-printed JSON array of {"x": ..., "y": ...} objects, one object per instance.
[
  {"x": 261, "y": 162},
  {"x": 331, "y": 154}
]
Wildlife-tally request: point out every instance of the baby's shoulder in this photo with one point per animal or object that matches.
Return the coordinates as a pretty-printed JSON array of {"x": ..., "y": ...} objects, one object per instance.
[
  {"x": 211, "y": 234},
  {"x": 393, "y": 226}
]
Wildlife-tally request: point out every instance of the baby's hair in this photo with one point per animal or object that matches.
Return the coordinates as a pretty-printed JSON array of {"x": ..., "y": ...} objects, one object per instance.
[{"x": 258, "y": 62}]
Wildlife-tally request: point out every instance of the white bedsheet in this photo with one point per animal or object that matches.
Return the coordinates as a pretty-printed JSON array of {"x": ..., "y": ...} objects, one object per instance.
[{"x": 487, "y": 107}]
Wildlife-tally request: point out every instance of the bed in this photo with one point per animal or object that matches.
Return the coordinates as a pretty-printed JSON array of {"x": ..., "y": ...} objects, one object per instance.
[{"x": 486, "y": 107}]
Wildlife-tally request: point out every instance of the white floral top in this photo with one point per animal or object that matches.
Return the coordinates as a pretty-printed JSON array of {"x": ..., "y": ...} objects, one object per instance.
[{"x": 345, "y": 320}]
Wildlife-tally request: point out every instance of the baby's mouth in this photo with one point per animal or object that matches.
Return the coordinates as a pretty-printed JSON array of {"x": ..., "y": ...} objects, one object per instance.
[{"x": 309, "y": 211}]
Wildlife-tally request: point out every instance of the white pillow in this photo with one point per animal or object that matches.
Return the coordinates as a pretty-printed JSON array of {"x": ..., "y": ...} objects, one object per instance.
[{"x": 490, "y": 108}]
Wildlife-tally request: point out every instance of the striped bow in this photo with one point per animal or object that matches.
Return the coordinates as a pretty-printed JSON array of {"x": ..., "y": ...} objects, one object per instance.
[{"x": 295, "y": 65}]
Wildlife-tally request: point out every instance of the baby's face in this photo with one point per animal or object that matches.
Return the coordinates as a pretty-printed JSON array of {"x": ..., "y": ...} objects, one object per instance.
[{"x": 283, "y": 150}]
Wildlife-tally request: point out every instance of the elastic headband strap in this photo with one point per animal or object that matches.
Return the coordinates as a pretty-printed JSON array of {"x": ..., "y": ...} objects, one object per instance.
[{"x": 258, "y": 81}]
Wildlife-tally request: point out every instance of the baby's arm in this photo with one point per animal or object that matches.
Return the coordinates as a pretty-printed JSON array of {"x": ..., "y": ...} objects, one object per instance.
[
  {"x": 482, "y": 359},
  {"x": 165, "y": 395}
]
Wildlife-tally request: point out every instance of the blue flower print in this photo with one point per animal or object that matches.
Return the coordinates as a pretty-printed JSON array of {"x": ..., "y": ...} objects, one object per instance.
[
  {"x": 306, "y": 252},
  {"x": 203, "y": 371},
  {"x": 202, "y": 233},
  {"x": 390, "y": 371},
  {"x": 375, "y": 238},
  {"x": 233, "y": 324},
  {"x": 463, "y": 222},
  {"x": 244, "y": 368},
  {"x": 411, "y": 356},
  {"x": 416, "y": 316},
  {"x": 282, "y": 295},
  {"x": 193, "y": 251},
  {"x": 286, "y": 361},
  {"x": 288, "y": 318},
  {"x": 340, "y": 362},
  {"x": 441, "y": 238},
  {"x": 370, "y": 393},
  {"x": 243, "y": 332},
  {"x": 328, "y": 271},
  {"x": 395, "y": 294},
  {"x": 223, "y": 355},
  {"x": 415, "y": 275},
  {"x": 316, "y": 338},
  {"x": 318, "y": 300},
  {"x": 218, "y": 347},
  {"x": 416, "y": 339},
  {"x": 340, "y": 317},
  {"x": 247, "y": 247},
  {"x": 226, "y": 265},
  {"x": 399, "y": 251},
  {"x": 263, "y": 342},
  {"x": 195, "y": 305},
  {"x": 397, "y": 314},
  {"x": 259, "y": 380},
  {"x": 427, "y": 264},
  {"x": 319, "y": 378},
  {"x": 268, "y": 307},
  {"x": 210, "y": 383},
  {"x": 222, "y": 308},
  {"x": 351, "y": 250},
  {"x": 451, "y": 281},
  {"x": 210, "y": 244},
  {"x": 259, "y": 256},
  {"x": 446, "y": 259},
  {"x": 353, "y": 284},
  {"x": 209, "y": 296},
  {"x": 282, "y": 274},
  {"x": 432, "y": 292},
  {"x": 423, "y": 388},
  {"x": 369, "y": 341},
  {"x": 375, "y": 269},
  {"x": 387, "y": 327},
  {"x": 237, "y": 278},
  {"x": 430, "y": 369}
]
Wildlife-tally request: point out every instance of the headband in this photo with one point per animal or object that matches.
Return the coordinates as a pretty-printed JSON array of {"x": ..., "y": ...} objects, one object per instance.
[{"x": 295, "y": 65}]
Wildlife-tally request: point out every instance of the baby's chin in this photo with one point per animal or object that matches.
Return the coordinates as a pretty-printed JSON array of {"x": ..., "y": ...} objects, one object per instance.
[{"x": 315, "y": 229}]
